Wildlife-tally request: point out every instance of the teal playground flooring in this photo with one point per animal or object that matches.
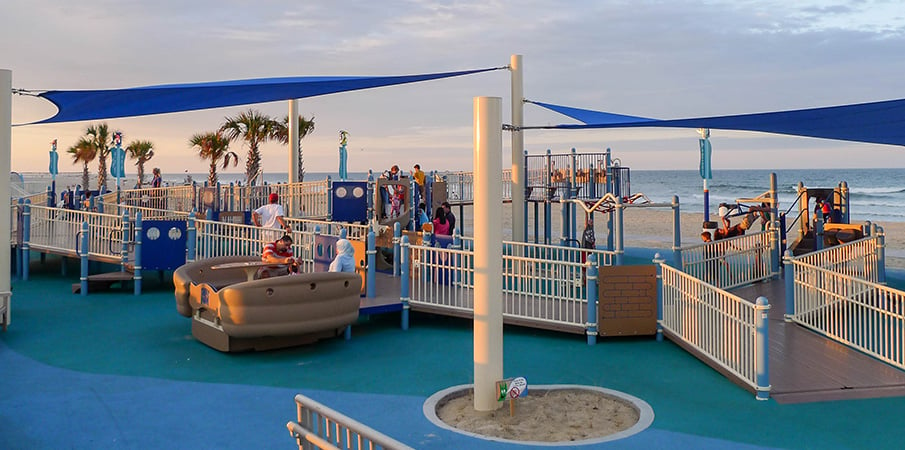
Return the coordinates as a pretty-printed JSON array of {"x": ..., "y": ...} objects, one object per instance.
[{"x": 112, "y": 370}]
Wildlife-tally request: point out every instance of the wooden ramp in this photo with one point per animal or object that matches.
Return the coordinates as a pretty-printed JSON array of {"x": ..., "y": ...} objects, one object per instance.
[
  {"x": 808, "y": 367},
  {"x": 103, "y": 281}
]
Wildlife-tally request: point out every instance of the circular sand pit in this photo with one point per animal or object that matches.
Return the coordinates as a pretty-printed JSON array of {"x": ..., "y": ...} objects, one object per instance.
[{"x": 547, "y": 415}]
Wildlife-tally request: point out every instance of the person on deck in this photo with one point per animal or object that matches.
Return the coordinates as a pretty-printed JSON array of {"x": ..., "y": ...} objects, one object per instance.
[
  {"x": 441, "y": 223},
  {"x": 270, "y": 216},
  {"x": 345, "y": 257},
  {"x": 450, "y": 217},
  {"x": 156, "y": 184},
  {"x": 279, "y": 253},
  {"x": 420, "y": 179}
]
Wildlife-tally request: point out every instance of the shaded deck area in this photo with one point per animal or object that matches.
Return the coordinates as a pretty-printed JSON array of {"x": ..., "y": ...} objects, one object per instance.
[{"x": 807, "y": 367}]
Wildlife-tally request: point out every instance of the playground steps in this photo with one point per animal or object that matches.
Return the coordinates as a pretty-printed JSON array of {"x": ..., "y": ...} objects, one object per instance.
[
  {"x": 103, "y": 281},
  {"x": 804, "y": 245}
]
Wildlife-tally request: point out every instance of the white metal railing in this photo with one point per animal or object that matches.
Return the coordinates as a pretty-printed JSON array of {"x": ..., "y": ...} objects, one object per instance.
[
  {"x": 229, "y": 239},
  {"x": 321, "y": 427},
  {"x": 146, "y": 212},
  {"x": 719, "y": 325},
  {"x": 306, "y": 199},
  {"x": 460, "y": 186},
  {"x": 13, "y": 225},
  {"x": 732, "y": 262},
  {"x": 858, "y": 258},
  {"x": 541, "y": 283},
  {"x": 59, "y": 229},
  {"x": 354, "y": 231},
  {"x": 173, "y": 198},
  {"x": 862, "y": 314}
]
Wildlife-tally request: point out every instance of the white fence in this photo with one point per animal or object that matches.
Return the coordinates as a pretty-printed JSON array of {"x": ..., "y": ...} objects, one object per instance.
[
  {"x": 732, "y": 262},
  {"x": 835, "y": 293},
  {"x": 59, "y": 230},
  {"x": 146, "y": 212},
  {"x": 354, "y": 231},
  {"x": 324, "y": 428},
  {"x": 720, "y": 326},
  {"x": 542, "y": 284},
  {"x": 460, "y": 186},
  {"x": 173, "y": 198},
  {"x": 230, "y": 239},
  {"x": 857, "y": 259}
]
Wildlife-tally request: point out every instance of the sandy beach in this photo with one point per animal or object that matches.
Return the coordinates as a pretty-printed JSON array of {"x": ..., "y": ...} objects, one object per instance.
[{"x": 653, "y": 228}]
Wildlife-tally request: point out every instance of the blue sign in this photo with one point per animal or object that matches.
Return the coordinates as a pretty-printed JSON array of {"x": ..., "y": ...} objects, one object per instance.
[{"x": 706, "y": 151}]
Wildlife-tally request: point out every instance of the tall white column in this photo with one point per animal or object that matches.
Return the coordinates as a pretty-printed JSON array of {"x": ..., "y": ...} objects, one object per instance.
[
  {"x": 6, "y": 150},
  {"x": 518, "y": 148},
  {"x": 293, "y": 141},
  {"x": 488, "y": 255},
  {"x": 293, "y": 153}
]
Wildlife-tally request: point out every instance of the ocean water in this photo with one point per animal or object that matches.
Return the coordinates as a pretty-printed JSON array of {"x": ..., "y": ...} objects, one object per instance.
[{"x": 876, "y": 194}]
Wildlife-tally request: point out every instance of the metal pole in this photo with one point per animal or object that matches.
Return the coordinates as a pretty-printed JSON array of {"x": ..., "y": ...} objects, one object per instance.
[
  {"x": 404, "y": 286},
  {"x": 658, "y": 263},
  {"x": 676, "y": 233},
  {"x": 488, "y": 254},
  {"x": 789, "y": 281},
  {"x": 591, "y": 284},
  {"x": 519, "y": 182},
  {"x": 6, "y": 120},
  {"x": 761, "y": 349},
  {"x": 136, "y": 274}
]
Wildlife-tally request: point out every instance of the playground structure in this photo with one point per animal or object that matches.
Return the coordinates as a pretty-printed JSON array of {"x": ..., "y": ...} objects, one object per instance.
[
  {"x": 558, "y": 287},
  {"x": 232, "y": 312}
]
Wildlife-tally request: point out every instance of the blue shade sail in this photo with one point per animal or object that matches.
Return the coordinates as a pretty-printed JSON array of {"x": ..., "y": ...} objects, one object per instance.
[
  {"x": 877, "y": 122},
  {"x": 140, "y": 101}
]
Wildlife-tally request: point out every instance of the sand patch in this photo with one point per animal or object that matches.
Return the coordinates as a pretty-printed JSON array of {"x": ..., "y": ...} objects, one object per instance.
[{"x": 544, "y": 415}]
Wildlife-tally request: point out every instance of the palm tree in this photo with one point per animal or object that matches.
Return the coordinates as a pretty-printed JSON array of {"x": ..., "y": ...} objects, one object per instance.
[
  {"x": 281, "y": 133},
  {"x": 215, "y": 147},
  {"x": 83, "y": 152},
  {"x": 141, "y": 152},
  {"x": 254, "y": 128},
  {"x": 101, "y": 139}
]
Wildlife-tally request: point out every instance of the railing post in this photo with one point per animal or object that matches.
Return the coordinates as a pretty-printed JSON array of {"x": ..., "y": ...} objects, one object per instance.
[
  {"x": 124, "y": 253},
  {"x": 818, "y": 231},
  {"x": 329, "y": 199},
  {"x": 881, "y": 255},
  {"x": 372, "y": 264},
  {"x": 617, "y": 234},
  {"x": 26, "y": 238},
  {"x": 136, "y": 274},
  {"x": 591, "y": 284},
  {"x": 658, "y": 263},
  {"x": 676, "y": 233},
  {"x": 762, "y": 348},
  {"x": 397, "y": 232},
  {"x": 191, "y": 236},
  {"x": 776, "y": 251},
  {"x": 20, "y": 229},
  {"x": 404, "y": 295},
  {"x": 789, "y": 280},
  {"x": 83, "y": 254},
  {"x": 371, "y": 212}
]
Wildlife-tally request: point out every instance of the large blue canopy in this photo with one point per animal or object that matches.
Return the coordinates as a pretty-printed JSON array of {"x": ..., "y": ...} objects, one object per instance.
[
  {"x": 877, "y": 122},
  {"x": 139, "y": 101}
]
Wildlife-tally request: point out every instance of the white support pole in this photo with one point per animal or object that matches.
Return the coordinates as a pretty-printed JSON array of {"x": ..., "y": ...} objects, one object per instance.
[
  {"x": 6, "y": 150},
  {"x": 488, "y": 254},
  {"x": 294, "y": 141},
  {"x": 518, "y": 147},
  {"x": 293, "y": 153}
]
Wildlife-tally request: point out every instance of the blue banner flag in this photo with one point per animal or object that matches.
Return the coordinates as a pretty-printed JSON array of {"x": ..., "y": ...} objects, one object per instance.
[{"x": 705, "y": 159}]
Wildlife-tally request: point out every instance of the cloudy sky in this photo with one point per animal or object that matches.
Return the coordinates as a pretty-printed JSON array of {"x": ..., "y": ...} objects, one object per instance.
[{"x": 663, "y": 59}]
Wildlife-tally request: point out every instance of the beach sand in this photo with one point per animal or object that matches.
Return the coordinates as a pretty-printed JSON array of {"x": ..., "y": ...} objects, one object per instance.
[
  {"x": 559, "y": 415},
  {"x": 653, "y": 228}
]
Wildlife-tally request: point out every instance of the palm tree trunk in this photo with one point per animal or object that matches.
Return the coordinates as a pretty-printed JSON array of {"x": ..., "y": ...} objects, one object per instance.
[
  {"x": 85, "y": 176},
  {"x": 141, "y": 173},
  {"x": 252, "y": 165},
  {"x": 101, "y": 172},
  {"x": 212, "y": 177}
]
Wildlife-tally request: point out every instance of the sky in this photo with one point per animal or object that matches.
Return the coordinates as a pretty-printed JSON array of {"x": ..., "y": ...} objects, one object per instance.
[{"x": 662, "y": 59}]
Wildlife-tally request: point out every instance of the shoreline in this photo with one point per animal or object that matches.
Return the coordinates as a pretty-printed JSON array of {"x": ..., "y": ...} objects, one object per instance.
[{"x": 653, "y": 228}]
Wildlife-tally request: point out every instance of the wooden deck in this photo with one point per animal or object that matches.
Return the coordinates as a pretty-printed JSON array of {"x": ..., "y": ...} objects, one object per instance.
[{"x": 807, "y": 367}]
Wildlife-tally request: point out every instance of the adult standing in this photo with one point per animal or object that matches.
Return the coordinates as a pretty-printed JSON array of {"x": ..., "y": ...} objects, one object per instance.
[
  {"x": 450, "y": 217},
  {"x": 156, "y": 193},
  {"x": 270, "y": 217},
  {"x": 441, "y": 223}
]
